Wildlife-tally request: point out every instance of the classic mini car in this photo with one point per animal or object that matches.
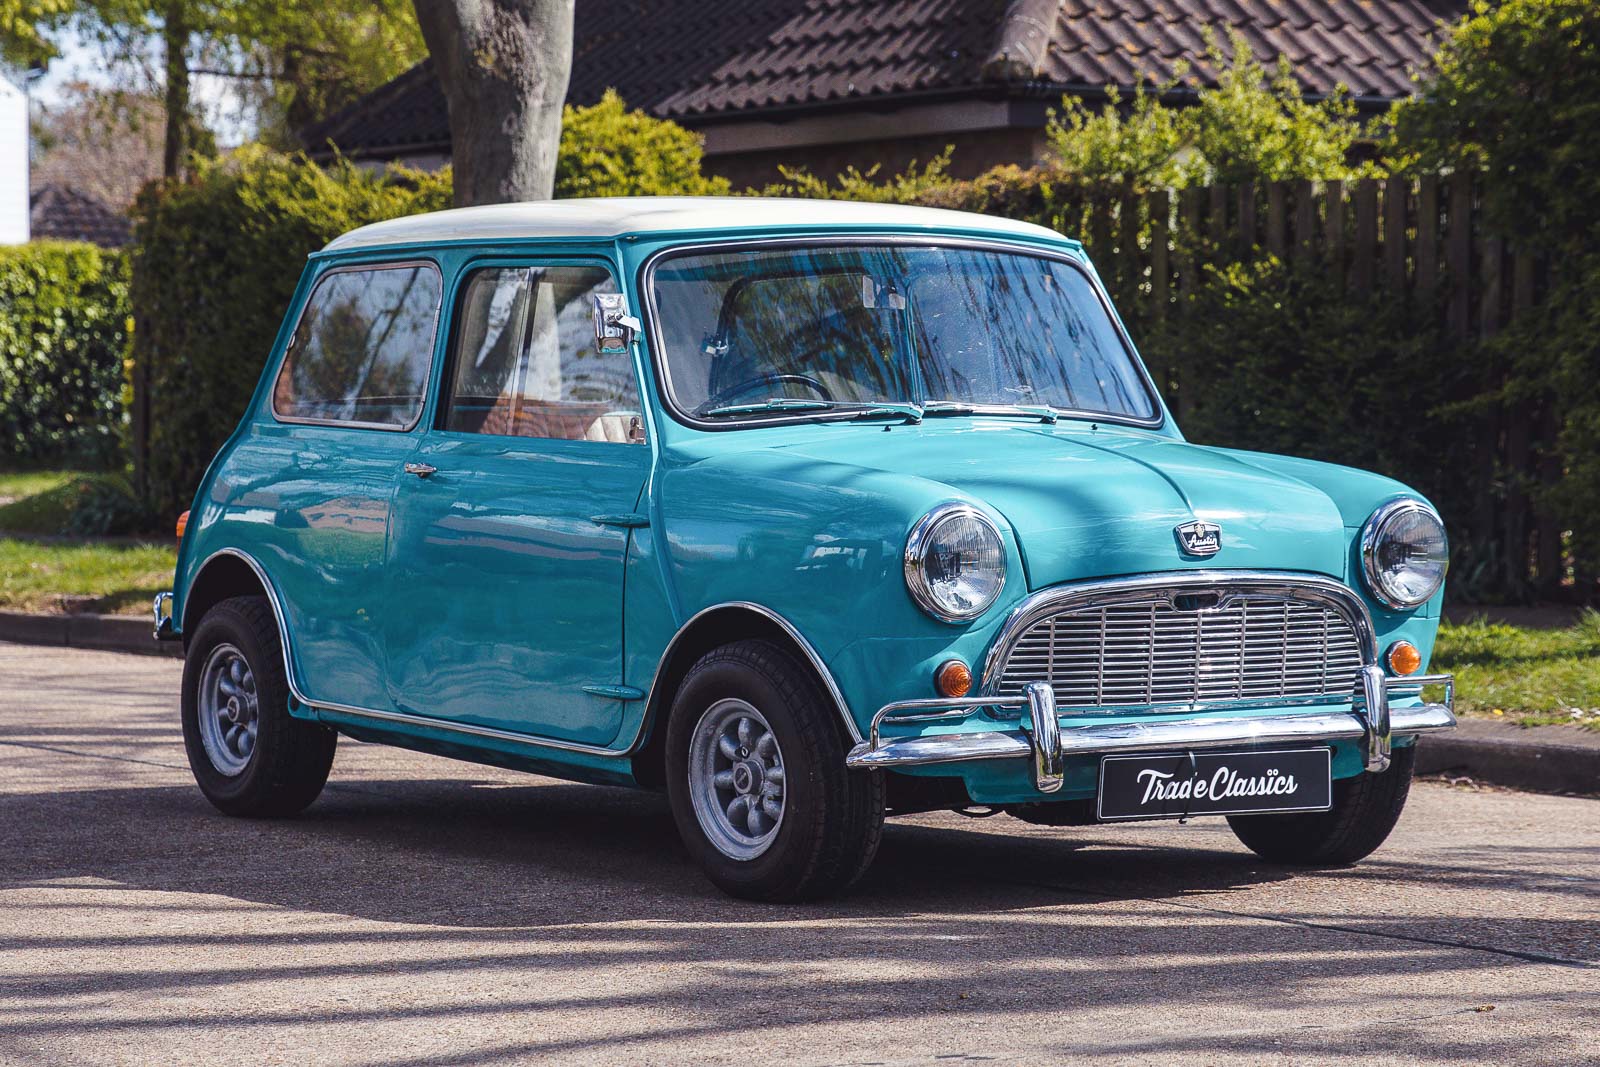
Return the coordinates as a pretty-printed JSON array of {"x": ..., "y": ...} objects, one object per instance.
[{"x": 804, "y": 513}]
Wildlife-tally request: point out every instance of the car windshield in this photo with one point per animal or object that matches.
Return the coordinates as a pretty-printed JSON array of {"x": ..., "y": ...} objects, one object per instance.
[{"x": 833, "y": 330}]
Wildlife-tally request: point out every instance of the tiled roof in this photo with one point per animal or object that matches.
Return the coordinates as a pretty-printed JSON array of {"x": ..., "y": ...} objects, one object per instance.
[
  {"x": 701, "y": 60},
  {"x": 1367, "y": 46},
  {"x": 59, "y": 213}
]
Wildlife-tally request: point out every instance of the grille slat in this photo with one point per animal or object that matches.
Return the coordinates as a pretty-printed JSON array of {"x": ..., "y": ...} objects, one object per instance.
[{"x": 1253, "y": 647}]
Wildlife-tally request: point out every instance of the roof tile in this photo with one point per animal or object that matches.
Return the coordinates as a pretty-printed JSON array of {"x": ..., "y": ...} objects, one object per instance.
[{"x": 720, "y": 58}]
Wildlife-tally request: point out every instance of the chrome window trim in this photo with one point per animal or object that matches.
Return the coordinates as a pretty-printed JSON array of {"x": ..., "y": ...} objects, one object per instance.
[
  {"x": 433, "y": 349},
  {"x": 530, "y": 740},
  {"x": 1294, "y": 585},
  {"x": 682, "y": 415},
  {"x": 1369, "y": 549},
  {"x": 915, "y": 558}
]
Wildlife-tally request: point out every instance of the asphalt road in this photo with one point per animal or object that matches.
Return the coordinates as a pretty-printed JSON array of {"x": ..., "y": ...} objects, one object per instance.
[{"x": 428, "y": 911}]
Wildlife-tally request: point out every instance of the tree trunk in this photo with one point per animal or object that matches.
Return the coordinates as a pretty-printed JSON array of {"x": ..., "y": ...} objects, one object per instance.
[
  {"x": 503, "y": 66},
  {"x": 175, "y": 37}
]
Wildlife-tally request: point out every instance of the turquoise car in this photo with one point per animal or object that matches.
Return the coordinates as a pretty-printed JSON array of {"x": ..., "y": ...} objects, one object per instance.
[{"x": 804, "y": 513}]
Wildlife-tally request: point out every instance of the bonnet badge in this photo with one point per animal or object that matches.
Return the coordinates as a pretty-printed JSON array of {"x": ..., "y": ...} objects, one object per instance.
[{"x": 1199, "y": 538}]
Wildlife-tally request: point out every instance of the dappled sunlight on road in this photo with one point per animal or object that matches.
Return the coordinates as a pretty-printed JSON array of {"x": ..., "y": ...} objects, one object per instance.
[{"x": 430, "y": 911}]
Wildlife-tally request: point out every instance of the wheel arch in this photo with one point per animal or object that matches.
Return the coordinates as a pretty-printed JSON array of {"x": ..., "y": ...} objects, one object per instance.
[
  {"x": 709, "y": 629},
  {"x": 226, "y": 573}
]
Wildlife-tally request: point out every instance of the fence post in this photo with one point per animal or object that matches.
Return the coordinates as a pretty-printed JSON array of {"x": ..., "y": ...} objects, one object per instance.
[
  {"x": 1395, "y": 193},
  {"x": 1305, "y": 220},
  {"x": 1247, "y": 218},
  {"x": 1130, "y": 273},
  {"x": 1427, "y": 252},
  {"x": 1277, "y": 220},
  {"x": 1333, "y": 223},
  {"x": 1459, "y": 254},
  {"x": 1366, "y": 234},
  {"x": 1159, "y": 268}
]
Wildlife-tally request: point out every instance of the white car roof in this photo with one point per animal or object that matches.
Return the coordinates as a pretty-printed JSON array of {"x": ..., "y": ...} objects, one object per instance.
[{"x": 605, "y": 217}]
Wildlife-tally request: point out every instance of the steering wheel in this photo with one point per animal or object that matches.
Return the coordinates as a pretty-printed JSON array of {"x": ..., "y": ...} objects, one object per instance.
[{"x": 770, "y": 378}]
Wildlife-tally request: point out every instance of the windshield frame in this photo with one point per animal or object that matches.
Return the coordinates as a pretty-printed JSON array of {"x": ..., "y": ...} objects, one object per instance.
[{"x": 684, "y": 415}]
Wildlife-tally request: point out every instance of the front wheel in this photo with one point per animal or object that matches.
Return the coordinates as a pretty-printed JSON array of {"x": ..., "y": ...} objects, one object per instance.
[
  {"x": 248, "y": 754},
  {"x": 1365, "y": 808},
  {"x": 757, "y": 781}
]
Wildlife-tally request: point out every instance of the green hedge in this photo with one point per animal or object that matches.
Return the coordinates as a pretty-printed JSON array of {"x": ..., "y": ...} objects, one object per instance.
[
  {"x": 64, "y": 325},
  {"x": 215, "y": 262}
]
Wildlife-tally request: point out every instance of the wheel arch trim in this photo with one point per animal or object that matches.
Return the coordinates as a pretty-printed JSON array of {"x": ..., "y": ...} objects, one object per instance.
[{"x": 656, "y": 698}]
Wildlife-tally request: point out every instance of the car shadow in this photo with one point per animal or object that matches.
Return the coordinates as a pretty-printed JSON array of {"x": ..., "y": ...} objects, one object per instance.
[{"x": 498, "y": 884}]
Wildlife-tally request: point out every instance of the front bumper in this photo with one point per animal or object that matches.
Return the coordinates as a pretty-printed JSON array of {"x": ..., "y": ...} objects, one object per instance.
[{"x": 1045, "y": 740}]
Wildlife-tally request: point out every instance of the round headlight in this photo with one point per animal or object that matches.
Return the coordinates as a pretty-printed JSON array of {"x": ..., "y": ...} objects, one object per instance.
[
  {"x": 955, "y": 563},
  {"x": 1404, "y": 553}
]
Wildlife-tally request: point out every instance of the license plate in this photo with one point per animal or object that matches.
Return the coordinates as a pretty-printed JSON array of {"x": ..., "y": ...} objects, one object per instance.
[{"x": 1172, "y": 785}]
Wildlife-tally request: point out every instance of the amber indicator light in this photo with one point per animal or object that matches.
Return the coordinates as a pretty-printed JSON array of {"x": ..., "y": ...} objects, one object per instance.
[
  {"x": 953, "y": 678},
  {"x": 183, "y": 524},
  {"x": 1404, "y": 658}
]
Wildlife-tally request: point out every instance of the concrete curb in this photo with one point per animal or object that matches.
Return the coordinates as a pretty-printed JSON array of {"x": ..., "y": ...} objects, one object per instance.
[
  {"x": 1539, "y": 759},
  {"x": 1543, "y": 759},
  {"x": 107, "y": 633}
]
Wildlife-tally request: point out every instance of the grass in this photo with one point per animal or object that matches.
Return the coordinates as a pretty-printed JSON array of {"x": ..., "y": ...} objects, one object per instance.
[
  {"x": 1524, "y": 675},
  {"x": 38, "y": 567},
  {"x": 15, "y": 485},
  {"x": 121, "y": 577},
  {"x": 37, "y": 501}
]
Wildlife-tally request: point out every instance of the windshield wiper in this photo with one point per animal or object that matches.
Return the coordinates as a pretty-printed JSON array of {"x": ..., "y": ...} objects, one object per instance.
[
  {"x": 936, "y": 408},
  {"x": 777, "y": 403},
  {"x": 801, "y": 405},
  {"x": 909, "y": 412}
]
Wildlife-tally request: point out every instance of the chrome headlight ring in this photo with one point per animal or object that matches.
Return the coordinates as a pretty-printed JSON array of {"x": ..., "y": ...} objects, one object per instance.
[
  {"x": 974, "y": 545},
  {"x": 1384, "y": 577}
]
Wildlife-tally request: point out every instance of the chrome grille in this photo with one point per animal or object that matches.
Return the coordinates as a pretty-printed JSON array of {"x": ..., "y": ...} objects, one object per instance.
[{"x": 1251, "y": 647}]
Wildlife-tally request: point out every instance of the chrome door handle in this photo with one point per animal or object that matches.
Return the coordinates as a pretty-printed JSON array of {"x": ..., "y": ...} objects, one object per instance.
[{"x": 421, "y": 470}]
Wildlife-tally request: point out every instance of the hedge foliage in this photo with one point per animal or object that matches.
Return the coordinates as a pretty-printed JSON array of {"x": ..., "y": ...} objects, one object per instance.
[
  {"x": 215, "y": 263},
  {"x": 216, "y": 260},
  {"x": 64, "y": 323}
]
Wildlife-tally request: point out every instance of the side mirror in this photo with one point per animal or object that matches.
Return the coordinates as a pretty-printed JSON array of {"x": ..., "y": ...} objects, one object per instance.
[{"x": 613, "y": 326}]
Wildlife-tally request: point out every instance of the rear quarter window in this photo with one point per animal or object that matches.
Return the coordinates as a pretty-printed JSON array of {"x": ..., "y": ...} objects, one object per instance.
[{"x": 362, "y": 349}]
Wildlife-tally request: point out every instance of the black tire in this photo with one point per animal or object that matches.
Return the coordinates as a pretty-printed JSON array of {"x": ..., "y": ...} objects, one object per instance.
[
  {"x": 289, "y": 762},
  {"x": 1365, "y": 809},
  {"x": 832, "y": 817}
]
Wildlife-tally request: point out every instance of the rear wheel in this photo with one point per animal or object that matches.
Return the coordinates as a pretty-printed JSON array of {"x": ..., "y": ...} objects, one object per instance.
[
  {"x": 757, "y": 781},
  {"x": 248, "y": 754},
  {"x": 1365, "y": 809}
]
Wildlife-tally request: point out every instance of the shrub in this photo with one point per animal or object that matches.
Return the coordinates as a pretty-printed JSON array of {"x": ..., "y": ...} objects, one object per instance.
[
  {"x": 63, "y": 337},
  {"x": 607, "y": 150},
  {"x": 1517, "y": 96},
  {"x": 216, "y": 260}
]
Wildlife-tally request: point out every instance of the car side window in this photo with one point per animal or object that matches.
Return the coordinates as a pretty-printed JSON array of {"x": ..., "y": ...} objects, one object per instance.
[
  {"x": 526, "y": 363},
  {"x": 361, "y": 351}
]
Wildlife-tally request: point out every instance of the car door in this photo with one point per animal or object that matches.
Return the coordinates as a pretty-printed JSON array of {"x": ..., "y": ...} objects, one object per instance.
[{"x": 511, "y": 524}]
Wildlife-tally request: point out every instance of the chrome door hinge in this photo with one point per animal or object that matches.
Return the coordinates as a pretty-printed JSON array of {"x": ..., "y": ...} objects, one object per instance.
[{"x": 630, "y": 521}]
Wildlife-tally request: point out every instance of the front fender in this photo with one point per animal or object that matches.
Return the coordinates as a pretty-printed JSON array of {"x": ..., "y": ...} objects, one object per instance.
[{"x": 820, "y": 545}]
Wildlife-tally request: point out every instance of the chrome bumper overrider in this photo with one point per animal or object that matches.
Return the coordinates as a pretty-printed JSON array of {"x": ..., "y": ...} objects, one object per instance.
[
  {"x": 161, "y": 608},
  {"x": 1048, "y": 741}
]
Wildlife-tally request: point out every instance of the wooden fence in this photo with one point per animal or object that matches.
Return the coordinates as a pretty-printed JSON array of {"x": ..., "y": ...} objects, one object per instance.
[{"x": 1422, "y": 239}]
